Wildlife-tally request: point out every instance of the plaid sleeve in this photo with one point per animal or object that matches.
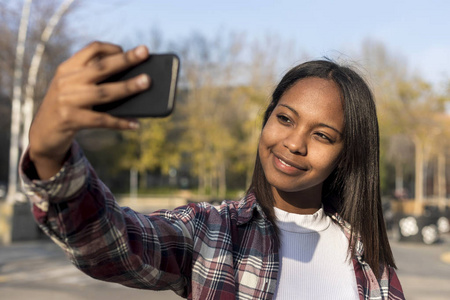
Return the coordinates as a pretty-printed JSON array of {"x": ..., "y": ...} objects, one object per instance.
[
  {"x": 64, "y": 185},
  {"x": 104, "y": 240}
]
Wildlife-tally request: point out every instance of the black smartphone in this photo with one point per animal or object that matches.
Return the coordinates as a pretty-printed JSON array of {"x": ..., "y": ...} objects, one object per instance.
[{"x": 158, "y": 100}]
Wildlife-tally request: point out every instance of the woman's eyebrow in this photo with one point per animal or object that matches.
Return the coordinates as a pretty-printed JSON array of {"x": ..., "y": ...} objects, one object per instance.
[
  {"x": 291, "y": 109},
  {"x": 331, "y": 127},
  {"x": 318, "y": 124}
]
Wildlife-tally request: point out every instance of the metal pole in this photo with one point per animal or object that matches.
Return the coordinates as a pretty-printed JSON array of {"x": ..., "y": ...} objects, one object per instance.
[{"x": 16, "y": 103}]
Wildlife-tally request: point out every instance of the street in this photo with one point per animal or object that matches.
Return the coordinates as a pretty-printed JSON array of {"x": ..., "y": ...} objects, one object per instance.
[
  {"x": 39, "y": 270},
  {"x": 424, "y": 270}
]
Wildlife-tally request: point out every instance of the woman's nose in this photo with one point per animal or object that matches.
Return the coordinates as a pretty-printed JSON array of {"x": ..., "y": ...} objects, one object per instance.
[{"x": 296, "y": 143}]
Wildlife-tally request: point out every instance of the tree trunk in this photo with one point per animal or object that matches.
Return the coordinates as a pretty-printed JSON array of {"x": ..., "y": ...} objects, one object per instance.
[
  {"x": 201, "y": 178},
  {"x": 214, "y": 182},
  {"x": 398, "y": 177},
  {"x": 209, "y": 183},
  {"x": 16, "y": 108},
  {"x": 28, "y": 106},
  {"x": 442, "y": 191},
  {"x": 222, "y": 180},
  {"x": 143, "y": 180},
  {"x": 419, "y": 160},
  {"x": 133, "y": 184}
]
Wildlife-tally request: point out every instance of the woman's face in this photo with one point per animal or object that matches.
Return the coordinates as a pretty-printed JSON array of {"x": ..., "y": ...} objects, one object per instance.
[{"x": 302, "y": 139}]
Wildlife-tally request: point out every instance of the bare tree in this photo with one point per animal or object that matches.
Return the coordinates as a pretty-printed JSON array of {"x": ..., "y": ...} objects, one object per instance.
[
  {"x": 17, "y": 103},
  {"x": 36, "y": 14},
  {"x": 34, "y": 67},
  {"x": 400, "y": 152},
  {"x": 409, "y": 111}
]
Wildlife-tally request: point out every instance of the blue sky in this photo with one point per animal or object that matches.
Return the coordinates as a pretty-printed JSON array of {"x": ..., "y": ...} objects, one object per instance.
[{"x": 417, "y": 30}]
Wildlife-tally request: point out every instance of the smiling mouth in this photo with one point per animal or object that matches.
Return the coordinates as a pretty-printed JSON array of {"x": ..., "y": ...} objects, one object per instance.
[
  {"x": 286, "y": 167},
  {"x": 284, "y": 163}
]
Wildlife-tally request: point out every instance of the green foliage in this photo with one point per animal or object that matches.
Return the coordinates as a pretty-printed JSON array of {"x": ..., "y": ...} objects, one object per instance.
[
  {"x": 411, "y": 115},
  {"x": 214, "y": 131},
  {"x": 149, "y": 148}
]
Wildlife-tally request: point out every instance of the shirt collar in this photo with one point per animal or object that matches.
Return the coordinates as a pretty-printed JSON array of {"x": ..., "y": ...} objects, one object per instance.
[
  {"x": 247, "y": 208},
  {"x": 346, "y": 227}
]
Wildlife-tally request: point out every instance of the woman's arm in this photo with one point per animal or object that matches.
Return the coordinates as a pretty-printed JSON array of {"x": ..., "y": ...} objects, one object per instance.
[
  {"x": 106, "y": 241},
  {"x": 72, "y": 205}
]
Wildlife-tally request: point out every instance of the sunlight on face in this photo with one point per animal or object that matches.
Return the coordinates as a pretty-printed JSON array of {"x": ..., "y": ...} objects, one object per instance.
[{"x": 302, "y": 139}]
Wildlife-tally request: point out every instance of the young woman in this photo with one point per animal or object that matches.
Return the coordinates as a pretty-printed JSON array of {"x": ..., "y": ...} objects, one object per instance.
[{"x": 310, "y": 226}]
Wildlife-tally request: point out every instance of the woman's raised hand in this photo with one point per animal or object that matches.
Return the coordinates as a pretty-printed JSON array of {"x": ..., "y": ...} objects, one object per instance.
[{"x": 67, "y": 106}]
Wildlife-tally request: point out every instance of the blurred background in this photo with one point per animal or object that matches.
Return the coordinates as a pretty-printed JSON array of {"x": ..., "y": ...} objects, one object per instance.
[{"x": 233, "y": 53}]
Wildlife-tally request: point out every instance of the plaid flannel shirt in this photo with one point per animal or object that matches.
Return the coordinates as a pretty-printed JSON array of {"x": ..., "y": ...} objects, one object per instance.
[{"x": 199, "y": 251}]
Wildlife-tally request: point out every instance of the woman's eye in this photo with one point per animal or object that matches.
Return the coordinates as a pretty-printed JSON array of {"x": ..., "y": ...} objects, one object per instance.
[
  {"x": 324, "y": 137},
  {"x": 283, "y": 119}
]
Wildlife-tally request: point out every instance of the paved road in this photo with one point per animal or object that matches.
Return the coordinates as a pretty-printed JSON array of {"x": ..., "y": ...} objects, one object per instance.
[
  {"x": 38, "y": 270},
  {"x": 424, "y": 271}
]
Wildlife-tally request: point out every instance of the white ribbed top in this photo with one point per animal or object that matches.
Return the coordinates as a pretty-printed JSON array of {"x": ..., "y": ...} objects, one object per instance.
[{"x": 313, "y": 258}]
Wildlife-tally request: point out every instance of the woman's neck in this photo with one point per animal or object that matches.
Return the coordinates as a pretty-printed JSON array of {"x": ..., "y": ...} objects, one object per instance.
[{"x": 302, "y": 202}]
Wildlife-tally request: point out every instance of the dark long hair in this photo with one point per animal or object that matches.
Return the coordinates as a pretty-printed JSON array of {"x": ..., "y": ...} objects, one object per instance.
[{"x": 353, "y": 188}]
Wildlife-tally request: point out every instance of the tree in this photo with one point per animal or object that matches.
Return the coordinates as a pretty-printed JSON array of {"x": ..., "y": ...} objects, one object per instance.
[
  {"x": 210, "y": 68},
  {"x": 253, "y": 96},
  {"x": 441, "y": 151},
  {"x": 228, "y": 83},
  {"x": 383, "y": 69},
  {"x": 40, "y": 12},
  {"x": 400, "y": 151},
  {"x": 409, "y": 113},
  {"x": 149, "y": 148},
  {"x": 414, "y": 113},
  {"x": 16, "y": 103},
  {"x": 37, "y": 57}
]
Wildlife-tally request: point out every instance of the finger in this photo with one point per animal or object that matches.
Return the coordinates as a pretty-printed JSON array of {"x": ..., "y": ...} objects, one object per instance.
[
  {"x": 85, "y": 119},
  {"x": 102, "y": 68},
  {"x": 87, "y": 54},
  {"x": 96, "y": 49},
  {"x": 106, "y": 92}
]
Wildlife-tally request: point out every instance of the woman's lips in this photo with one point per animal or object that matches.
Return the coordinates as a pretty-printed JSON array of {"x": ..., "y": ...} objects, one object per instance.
[{"x": 287, "y": 167}]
